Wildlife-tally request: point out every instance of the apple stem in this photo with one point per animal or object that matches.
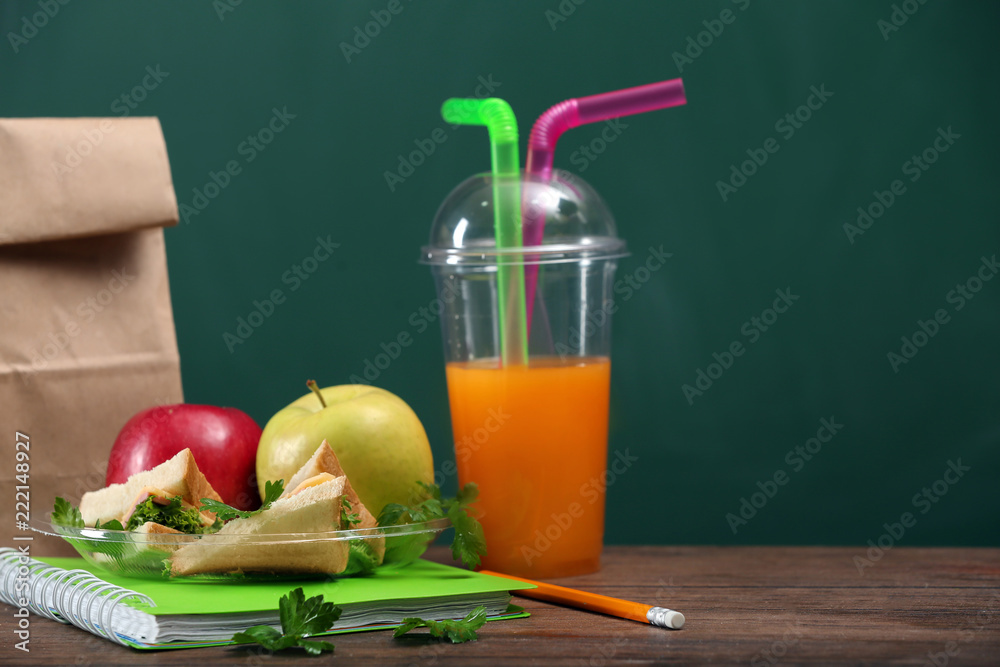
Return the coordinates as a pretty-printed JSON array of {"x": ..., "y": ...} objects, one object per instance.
[{"x": 315, "y": 389}]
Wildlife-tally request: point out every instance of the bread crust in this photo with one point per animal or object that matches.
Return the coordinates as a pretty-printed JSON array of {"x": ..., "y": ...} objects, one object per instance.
[
  {"x": 306, "y": 512},
  {"x": 325, "y": 460},
  {"x": 166, "y": 544},
  {"x": 178, "y": 476}
]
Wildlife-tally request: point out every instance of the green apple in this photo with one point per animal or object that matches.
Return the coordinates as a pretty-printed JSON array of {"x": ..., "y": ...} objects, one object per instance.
[{"x": 378, "y": 438}]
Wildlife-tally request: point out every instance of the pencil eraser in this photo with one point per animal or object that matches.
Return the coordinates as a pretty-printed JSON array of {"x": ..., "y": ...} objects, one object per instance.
[{"x": 665, "y": 618}]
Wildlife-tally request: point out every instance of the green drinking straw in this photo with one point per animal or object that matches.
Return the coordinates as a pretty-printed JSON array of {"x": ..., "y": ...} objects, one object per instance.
[{"x": 499, "y": 120}]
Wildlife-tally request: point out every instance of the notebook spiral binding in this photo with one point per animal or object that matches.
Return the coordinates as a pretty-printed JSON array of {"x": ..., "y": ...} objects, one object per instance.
[{"x": 66, "y": 596}]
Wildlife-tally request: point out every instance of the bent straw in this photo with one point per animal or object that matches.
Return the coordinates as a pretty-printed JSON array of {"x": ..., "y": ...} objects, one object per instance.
[
  {"x": 499, "y": 120},
  {"x": 573, "y": 113}
]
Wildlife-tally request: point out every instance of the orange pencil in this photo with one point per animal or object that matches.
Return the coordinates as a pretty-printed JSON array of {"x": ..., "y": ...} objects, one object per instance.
[{"x": 570, "y": 597}]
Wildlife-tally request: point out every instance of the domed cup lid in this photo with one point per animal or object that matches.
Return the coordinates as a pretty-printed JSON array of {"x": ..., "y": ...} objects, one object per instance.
[{"x": 577, "y": 224}]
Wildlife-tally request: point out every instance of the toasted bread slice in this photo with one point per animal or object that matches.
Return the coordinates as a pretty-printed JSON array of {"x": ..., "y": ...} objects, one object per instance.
[
  {"x": 178, "y": 476},
  {"x": 153, "y": 539},
  {"x": 324, "y": 460},
  {"x": 241, "y": 545}
]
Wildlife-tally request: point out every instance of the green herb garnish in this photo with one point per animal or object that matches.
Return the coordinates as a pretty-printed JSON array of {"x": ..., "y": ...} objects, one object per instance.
[
  {"x": 224, "y": 512},
  {"x": 66, "y": 514},
  {"x": 172, "y": 515},
  {"x": 114, "y": 524},
  {"x": 456, "y": 631},
  {"x": 347, "y": 520},
  {"x": 469, "y": 544},
  {"x": 361, "y": 558},
  {"x": 300, "y": 618}
]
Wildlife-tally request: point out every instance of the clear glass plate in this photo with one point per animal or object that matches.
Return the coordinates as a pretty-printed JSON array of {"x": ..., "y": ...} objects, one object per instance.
[{"x": 143, "y": 555}]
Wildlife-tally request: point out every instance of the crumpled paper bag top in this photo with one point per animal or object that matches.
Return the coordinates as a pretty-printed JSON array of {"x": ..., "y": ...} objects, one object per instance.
[{"x": 66, "y": 178}]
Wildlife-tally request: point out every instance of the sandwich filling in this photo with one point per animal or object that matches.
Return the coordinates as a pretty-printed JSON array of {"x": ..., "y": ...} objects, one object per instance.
[
  {"x": 155, "y": 505},
  {"x": 315, "y": 480}
]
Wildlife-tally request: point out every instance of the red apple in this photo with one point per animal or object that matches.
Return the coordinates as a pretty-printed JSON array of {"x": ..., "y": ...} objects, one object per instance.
[{"x": 223, "y": 441}]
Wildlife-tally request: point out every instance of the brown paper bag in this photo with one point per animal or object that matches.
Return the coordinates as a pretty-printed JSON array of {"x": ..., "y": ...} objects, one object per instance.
[{"x": 87, "y": 337}]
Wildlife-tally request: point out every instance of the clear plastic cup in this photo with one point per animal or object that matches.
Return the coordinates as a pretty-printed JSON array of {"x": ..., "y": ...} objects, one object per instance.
[{"x": 533, "y": 437}]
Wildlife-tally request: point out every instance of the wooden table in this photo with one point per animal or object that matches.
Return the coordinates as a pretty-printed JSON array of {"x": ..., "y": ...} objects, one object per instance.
[{"x": 747, "y": 605}]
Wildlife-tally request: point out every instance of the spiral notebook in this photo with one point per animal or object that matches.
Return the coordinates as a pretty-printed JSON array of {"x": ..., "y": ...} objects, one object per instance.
[{"x": 149, "y": 614}]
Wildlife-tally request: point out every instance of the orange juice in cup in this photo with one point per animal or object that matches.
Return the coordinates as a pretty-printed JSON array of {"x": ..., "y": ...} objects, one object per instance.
[
  {"x": 532, "y": 433},
  {"x": 534, "y": 438}
]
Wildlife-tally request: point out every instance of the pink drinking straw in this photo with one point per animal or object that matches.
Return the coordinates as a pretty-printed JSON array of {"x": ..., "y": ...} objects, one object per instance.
[{"x": 572, "y": 113}]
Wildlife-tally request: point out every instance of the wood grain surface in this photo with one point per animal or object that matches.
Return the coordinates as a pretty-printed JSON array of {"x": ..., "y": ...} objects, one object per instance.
[{"x": 744, "y": 605}]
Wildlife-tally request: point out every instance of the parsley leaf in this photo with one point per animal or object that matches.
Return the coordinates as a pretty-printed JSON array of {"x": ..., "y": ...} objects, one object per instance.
[
  {"x": 114, "y": 524},
  {"x": 272, "y": 491},
  {"x": 392, "y": 514},
  {"x": 347, "y": 520},
  {"x": 467, "y": 494},
  {"x": 224, "y": 512},
  {"x": 469, "y": 544},
  {"x": 306, "y": 617},
  {"x": 361, "y": 558},
  {"x": 66, "y": 514},
  {"x": 456, "y": 631},
  {"x": 300, "y": 618}
]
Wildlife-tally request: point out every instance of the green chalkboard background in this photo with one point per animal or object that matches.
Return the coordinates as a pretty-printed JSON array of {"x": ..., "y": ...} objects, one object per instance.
[{"x": 892, "y": 89}]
